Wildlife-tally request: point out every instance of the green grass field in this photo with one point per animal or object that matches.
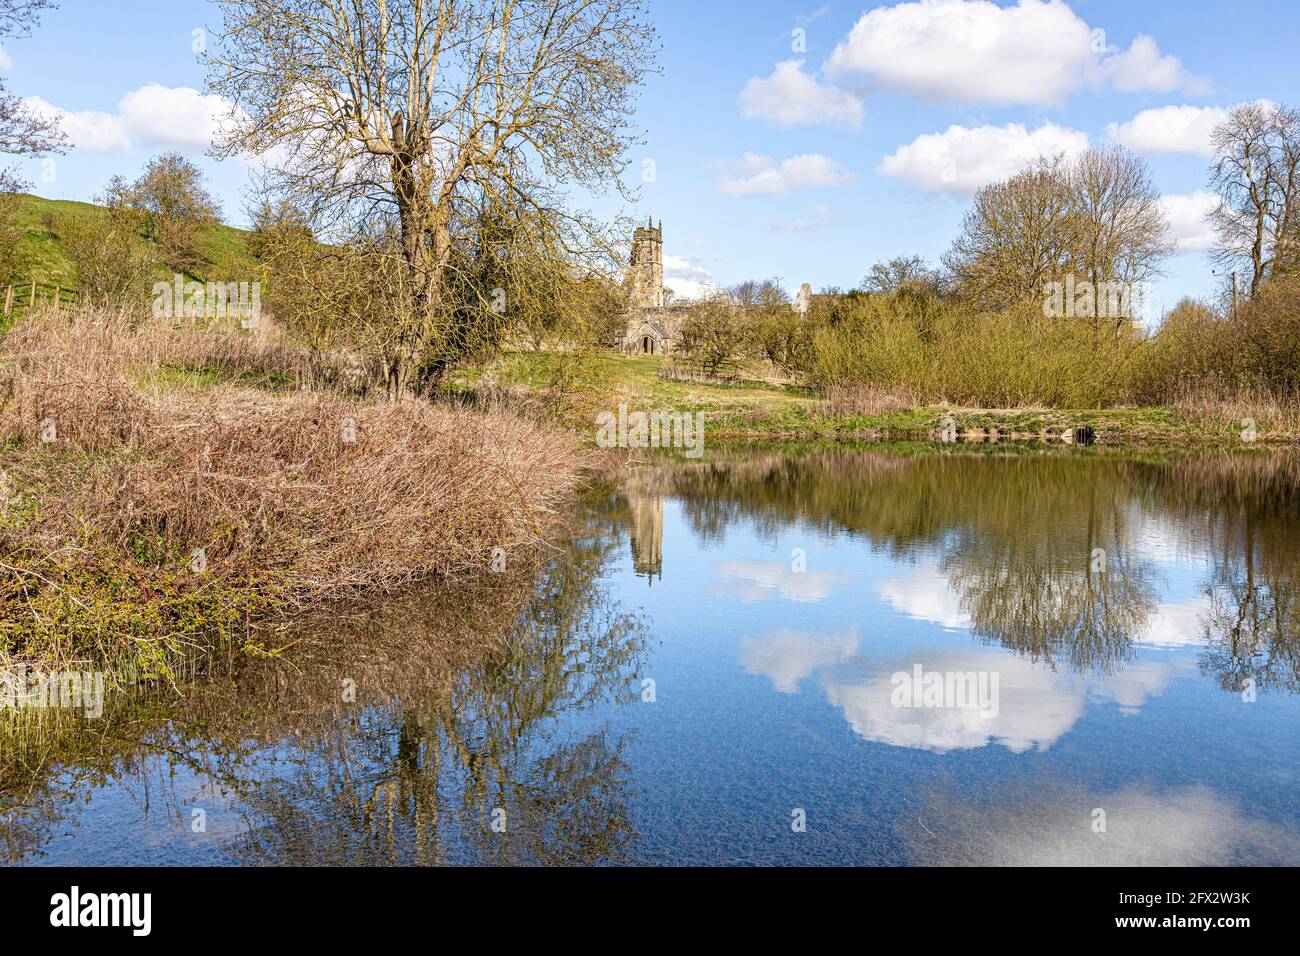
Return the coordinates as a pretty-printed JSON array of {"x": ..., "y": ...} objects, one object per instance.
[{"x": 754, "y": 410}]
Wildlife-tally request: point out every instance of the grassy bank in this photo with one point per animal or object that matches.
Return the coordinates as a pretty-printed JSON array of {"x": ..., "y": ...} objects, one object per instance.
[
  {"x": 757, "y": 408},
  {"x": 165, "y": 485},
  {"x": 44, "y": 256}
]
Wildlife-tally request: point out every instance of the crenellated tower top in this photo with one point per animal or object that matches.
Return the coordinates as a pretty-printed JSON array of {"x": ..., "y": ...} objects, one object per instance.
[{"x": 647, "y": 270}]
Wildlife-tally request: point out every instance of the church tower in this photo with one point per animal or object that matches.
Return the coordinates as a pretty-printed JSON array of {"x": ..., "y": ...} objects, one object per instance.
[{"x": 648, "y": 266}]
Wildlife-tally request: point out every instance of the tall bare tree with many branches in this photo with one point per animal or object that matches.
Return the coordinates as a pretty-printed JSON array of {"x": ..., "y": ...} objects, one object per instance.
[
  {"x": 1256, "y": 173},
  {"x": 23, "y": 132},
  {"x": 430, "y": 118},
  {"x": 1096, "y": 216}
]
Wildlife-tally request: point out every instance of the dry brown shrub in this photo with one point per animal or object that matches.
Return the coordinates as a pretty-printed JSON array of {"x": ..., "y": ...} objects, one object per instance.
[
  {"x": 864, "y": 399},
  {"x": 1235, "y": 407},
  {"x": 264, "y": 483}
]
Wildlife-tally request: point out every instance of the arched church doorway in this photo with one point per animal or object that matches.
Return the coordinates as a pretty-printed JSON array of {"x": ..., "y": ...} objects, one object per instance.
[{"x": 647, "y": 345}]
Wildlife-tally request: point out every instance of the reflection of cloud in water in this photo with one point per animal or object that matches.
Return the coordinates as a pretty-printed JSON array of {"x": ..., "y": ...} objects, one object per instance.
[
  {"x": 1189, "y": 827},
  {"x": 787, "y": 657},
  {"x": 1177, "y": 625},
  {"x": 925, "y": 595},
  {"x": 1160, "y": 539},
  {"x": 758, "y": 580},
  {"x": 1035, "y": 705},
  {"x": 1131, "y": 687}
]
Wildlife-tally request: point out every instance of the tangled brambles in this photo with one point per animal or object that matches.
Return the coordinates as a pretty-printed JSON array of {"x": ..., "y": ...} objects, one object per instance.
[{"x": 286, "y": 498}]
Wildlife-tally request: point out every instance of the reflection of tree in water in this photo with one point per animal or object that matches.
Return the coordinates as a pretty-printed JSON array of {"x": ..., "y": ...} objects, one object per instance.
[
  {"x": 1044, "y": 568},
  {"x": 1251, "y": 631},
  {"x": 1015, "y": 535},
  {"x": 1049, "y": 610},
  {"x": 419, "y": 782},
  {"x": 441, "y": 734},
  {"x": 1252, "y": 627}
]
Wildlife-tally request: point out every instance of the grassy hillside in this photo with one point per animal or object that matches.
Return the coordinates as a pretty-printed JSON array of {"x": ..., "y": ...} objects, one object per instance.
[{"x": 224, "y": 248}]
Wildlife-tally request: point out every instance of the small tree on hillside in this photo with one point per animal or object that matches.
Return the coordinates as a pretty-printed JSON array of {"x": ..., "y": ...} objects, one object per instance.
[
  {"x": 274, "y": 225},
  {"x": 14, "y": 260},
  {"x": 113, "y": 266},
  {"x": 176, "y": 206}
]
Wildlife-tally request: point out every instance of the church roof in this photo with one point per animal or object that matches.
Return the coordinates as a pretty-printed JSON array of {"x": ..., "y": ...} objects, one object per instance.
[{"x": 654, "y": 327}]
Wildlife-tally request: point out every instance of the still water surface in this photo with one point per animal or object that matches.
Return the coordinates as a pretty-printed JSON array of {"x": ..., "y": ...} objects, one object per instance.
[{"x": 706, "y": 673}]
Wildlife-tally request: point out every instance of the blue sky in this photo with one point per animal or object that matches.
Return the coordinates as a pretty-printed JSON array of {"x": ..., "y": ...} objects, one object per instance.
[{"x": 807, "y": 156}]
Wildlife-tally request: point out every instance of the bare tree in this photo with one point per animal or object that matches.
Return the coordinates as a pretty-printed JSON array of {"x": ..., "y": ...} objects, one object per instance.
[
  {"x": 902, "y": 272},
  {"x": 759, "y": 293},
  {"x": 1121, "y": 231},
  {"x": 23, "y": 132},
  {"x": 1256, "y": 172},
  {"x": 1097, "y": 217},
  {"x": 1017, "y": 235},
  {"x": 424, "y": 113},
  {"x": 713, "y": 333}
]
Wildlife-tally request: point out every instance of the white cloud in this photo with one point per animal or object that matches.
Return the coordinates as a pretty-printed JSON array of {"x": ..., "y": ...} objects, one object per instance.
[
  {"x": 90, "y": 130},
  {"x": 173, "y": 117},
  {"x": 974, "y": 51},
  {"x": 1143, "y": 68},
  {"x": 1131, "y": 687},
  {"x": 757, "y": 175},
  {"x": 796, "y": 226},
  {"x": 154, "y": 115},
  {"x": 1169, "y": 129},
  {"x": 925, "y": 594},
  {"x": 961, "y": 160},
  {"x": 1034, "y": 704},
  {"x": 1177, "y": 625},
  {"x": 687, "y": 279},
  {"x": 791, "y": 97},
  {"x": 1187, "y": 219},
  {"x": 822, "y": 216},
  {"x": 822, "y": 11}
]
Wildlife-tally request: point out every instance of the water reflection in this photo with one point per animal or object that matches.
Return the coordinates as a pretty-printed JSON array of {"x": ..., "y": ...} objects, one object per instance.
[
  {"x": 1124, "y": 604},
  {"x": 1050, "y": 825},
  {"x": 1049, "y": 556},
  {"x": 397, "y": 735}
]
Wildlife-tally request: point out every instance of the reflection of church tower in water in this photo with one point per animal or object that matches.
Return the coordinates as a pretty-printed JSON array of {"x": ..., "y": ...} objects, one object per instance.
[{"x": 647, "y": 535}]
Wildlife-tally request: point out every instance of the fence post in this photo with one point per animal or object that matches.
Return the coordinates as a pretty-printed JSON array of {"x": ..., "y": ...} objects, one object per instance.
[
  {"x": 9, "y": 300},
  {"x": 31, "y": 299}
]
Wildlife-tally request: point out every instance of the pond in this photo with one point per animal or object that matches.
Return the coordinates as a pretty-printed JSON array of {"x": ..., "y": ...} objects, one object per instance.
[{"x": 849, "y": 656}]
